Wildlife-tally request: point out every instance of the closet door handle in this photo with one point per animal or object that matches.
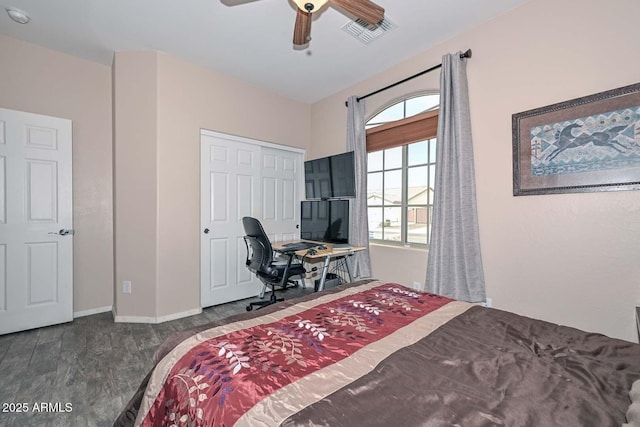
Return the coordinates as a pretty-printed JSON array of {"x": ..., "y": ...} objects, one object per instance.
[
  {"x": 62, "y": 232},
  {"x": 206, "y": 231}
]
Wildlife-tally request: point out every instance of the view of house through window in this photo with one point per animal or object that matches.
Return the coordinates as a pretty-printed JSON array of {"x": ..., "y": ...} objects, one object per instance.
[{"x": 400, "y": 180}]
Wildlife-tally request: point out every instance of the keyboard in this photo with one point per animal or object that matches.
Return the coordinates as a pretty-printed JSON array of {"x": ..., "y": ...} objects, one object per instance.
[
  {"x": 342, "y": 246},
  {"x": 299, "y": 246}
]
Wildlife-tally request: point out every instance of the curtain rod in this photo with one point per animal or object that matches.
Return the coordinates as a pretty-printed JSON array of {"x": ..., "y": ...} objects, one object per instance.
[{"x": 466, "y": 54}]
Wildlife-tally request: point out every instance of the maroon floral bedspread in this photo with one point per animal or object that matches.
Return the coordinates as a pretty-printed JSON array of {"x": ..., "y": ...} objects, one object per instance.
[{"x": 216, "y": 377}]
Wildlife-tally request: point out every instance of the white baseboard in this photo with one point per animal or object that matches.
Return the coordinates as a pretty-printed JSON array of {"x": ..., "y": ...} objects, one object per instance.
[
  {"x": 91, "y": 311},
  {"x": 161, "y": 319}
]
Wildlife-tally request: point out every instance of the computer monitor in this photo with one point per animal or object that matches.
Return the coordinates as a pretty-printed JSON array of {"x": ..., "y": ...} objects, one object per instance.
[
  {"x": 325, "y": 221},
  {"x": 331, "y": 177}
]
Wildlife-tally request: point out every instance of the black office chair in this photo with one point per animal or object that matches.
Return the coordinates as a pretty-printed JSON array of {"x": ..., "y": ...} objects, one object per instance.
[{"x": 260, "y": 261}]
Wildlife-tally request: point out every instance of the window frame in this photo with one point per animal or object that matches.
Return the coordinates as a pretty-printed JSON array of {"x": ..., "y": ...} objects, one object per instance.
[{"x": 421, "y": 127}]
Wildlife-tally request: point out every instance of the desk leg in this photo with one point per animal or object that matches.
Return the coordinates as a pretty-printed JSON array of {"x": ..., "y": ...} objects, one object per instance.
[
  {"x": 325, "y": 269},
  {"x": 347, "y": 262}
]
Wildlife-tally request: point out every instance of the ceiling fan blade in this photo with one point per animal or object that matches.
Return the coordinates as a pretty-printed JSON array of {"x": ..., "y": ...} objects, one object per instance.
[
  {"x": 366, "y": 10},
  {"x": 302, "y": 30}
]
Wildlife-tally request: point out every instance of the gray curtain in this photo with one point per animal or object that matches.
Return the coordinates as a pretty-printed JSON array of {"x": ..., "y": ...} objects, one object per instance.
[
  {"x": 358, "y": 220},
  {"x": 454, "y": 266}
]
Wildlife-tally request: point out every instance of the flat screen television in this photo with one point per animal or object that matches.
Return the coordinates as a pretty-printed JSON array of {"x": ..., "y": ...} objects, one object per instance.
[
  {"x": 325, "y": 221},
  {"x": 331, "y": 177}
]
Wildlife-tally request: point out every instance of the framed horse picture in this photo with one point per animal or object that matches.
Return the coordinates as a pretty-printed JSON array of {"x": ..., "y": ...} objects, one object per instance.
[{"x": 582, "y": 145}]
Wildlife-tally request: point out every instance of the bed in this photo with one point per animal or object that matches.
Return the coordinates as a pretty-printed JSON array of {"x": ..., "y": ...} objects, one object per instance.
[{"x": 371, "y": 353}]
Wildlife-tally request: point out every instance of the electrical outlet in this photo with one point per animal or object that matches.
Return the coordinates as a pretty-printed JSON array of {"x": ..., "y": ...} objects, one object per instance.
[
  {"x": 488, "y": 303},
  {"x": 417, "y": 286},
  {"x": 126, "y": 287}
]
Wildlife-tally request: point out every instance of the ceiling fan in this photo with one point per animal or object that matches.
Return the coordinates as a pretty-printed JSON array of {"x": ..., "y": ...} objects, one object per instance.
[{"x": 366, "y": 10}]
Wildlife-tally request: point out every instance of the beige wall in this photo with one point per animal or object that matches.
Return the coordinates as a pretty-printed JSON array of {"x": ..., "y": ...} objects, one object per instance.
[
  {"x": 189, "y": 98},
  {"x": 159, "y": 106},
  {"x": 136, "y": 182},
  {"x": 43, "y": 81},
  {"x": 572, "y": 258}
]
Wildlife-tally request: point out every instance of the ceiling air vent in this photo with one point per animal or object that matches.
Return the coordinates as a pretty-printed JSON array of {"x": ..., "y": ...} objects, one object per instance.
[{"x": 367, "y": 33}]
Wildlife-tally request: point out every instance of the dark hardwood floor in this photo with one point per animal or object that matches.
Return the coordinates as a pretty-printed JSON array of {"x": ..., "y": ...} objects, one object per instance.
[{"x": 84, "y": 372}]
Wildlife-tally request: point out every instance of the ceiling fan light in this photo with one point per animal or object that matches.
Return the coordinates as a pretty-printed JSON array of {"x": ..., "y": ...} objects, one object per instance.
[
  {"x": 19, "y": 16},
  {"x": 317, "y": 4}
]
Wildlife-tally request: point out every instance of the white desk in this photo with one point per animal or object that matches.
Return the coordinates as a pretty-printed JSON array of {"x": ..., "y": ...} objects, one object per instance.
[{"x": 326, "y": 254}]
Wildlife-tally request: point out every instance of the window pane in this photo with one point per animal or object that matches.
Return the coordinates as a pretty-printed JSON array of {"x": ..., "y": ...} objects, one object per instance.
[
  {"x": 395, "y": 112},
  {"x": 375, "y": 223},
  {"x": 417, "y": 153},
  {"x": 393, "y": 187},
  {"x": 417, "y": 224},
  {"x": 393, "y": 158},
  {"x": 422, "y": 103},
  {"x": 432, "y": 183},
  {"x": 417, "y": 185},
  {"x": 374, "y": 161},
  {"x": 391, "y": 224},
  {"x": 374, "y": 188},
  {"x": 432, "y": 150}
]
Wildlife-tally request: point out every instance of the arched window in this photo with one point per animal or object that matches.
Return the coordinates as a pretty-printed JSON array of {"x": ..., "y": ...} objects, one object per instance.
[{"x": 401, "y": 141}]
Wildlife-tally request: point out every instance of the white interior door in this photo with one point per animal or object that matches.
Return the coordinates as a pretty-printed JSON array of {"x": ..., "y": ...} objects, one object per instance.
[
  {"x": 242, "y": 177},
  {"x": 36, "y": 237}
]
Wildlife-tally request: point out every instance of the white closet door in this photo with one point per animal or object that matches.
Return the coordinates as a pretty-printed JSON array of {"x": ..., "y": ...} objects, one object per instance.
[
  {"x": 242, "y": 177},
  {"x": 282, "y": 175}
]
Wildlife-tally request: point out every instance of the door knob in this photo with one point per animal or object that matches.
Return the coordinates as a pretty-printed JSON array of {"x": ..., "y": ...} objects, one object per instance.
[
  {"x": 206, "y": 231},
  {"x": 62, "y": 232}
]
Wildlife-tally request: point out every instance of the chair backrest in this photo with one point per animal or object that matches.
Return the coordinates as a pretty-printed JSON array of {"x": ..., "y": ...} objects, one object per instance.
[{"x": 259, "y": 250}]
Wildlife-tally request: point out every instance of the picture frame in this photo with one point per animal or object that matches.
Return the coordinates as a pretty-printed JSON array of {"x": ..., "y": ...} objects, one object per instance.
[{"x": 585, "y": 144}]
